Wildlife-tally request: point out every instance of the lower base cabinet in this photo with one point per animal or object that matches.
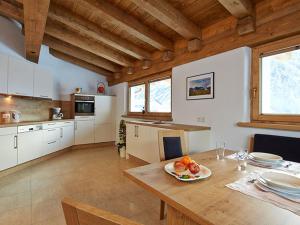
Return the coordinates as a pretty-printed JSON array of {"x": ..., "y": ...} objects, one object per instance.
[
  {"x": 67, "y": 136},
  {"x": 52, "y": 140},
  {"x": 84, "y": 132},
  {"x": 9, "y": 151}
]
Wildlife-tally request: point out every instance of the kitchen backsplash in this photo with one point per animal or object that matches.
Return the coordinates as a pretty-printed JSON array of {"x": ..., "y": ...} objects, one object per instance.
[{"x": 33, "y": 109}]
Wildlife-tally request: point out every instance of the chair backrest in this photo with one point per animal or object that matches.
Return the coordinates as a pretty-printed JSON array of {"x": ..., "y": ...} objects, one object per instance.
[
  {"x": 77, "y": 213},
  {"x": 287, "y": 147},
  {"x": 172, "y": 144}
]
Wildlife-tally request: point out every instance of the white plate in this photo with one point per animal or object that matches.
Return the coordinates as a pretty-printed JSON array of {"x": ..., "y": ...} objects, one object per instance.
[
  {"x": 203, "y": 173},
  {"x": 278, "y": 189},
  {"x": 262, "y": 186},
  {"x": 265, "y": 164},
  {"x": 282, "y": 181},
  {"x": 265, "y": 156}
]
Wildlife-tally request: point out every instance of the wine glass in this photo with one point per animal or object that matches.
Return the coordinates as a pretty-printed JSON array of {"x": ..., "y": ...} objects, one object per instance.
[{"x": 242, "y": 156}]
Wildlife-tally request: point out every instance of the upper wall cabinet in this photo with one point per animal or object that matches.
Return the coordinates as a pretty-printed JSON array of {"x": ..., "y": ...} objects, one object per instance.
[
  {"x": 43, "y": 83},
  {"x": 3, "y": 73},
  {"x": 20, "y": 77}
]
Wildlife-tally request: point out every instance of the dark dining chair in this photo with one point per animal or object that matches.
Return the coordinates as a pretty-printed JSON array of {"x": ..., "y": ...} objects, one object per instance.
[
  {"x": 172, "y": 144},
  {"x": 287, "y": 147}
]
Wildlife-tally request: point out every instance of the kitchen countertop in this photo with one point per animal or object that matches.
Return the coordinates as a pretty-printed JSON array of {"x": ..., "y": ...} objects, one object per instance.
[
  {"x": 3, "y": 125},
  {"x": 172, "y": 126}
]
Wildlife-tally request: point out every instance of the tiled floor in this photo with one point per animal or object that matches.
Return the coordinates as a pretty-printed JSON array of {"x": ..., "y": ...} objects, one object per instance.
[{"x": 32, "y": 196}]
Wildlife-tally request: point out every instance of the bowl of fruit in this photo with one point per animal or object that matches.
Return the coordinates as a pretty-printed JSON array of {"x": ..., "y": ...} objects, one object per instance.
[{"x": 187, "y": 169}]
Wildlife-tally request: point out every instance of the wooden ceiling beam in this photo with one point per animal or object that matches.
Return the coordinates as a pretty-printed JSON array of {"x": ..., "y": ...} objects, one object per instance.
[
  {"x": 238, "y": 8},
  {"x": 92, "y": 30},
  {"x": 82, "y": 42},
  {"x": 279, "y": 27},
  {"x": 243, "y": 10},
  {"x": 11, "y": 11},
  {"x": 88, "y": 57},
  {"x": 35, "y": 17},
  {"x": 79, "y": 62},
  {"x": 170, "y": 16},
  {"x": 130, "y": 24}
]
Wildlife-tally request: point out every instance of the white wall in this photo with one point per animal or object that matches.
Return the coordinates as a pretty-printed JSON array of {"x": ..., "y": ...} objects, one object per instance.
[
  {"x": 231, "y": 102},
  {"x": 230, "y": 105},
  {"x": 66, "y": 75},
  {"x": 120, "y": 91}
]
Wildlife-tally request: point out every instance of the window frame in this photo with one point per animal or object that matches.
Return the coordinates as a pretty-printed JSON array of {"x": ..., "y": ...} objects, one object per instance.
[
  {"x": 147, "y": 81},
  {"x": 255, "y": 95}
]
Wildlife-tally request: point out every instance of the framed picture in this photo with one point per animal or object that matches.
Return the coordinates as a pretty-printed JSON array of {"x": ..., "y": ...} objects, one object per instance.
[{"x": 200, "y": 86}]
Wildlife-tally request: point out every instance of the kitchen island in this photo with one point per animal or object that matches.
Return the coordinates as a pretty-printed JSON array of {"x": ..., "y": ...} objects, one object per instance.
[{"x": 142, "y": 138}]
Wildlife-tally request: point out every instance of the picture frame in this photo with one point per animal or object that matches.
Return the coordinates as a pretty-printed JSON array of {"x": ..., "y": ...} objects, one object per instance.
[{"x": 200, "y": 86}]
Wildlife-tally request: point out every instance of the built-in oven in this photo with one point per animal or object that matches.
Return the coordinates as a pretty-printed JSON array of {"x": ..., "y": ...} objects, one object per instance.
[{"x": 84, "y": 105}]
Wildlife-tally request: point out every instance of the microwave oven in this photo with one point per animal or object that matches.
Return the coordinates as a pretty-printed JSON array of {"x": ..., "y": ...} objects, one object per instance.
[{"x": 84, "y": 105}]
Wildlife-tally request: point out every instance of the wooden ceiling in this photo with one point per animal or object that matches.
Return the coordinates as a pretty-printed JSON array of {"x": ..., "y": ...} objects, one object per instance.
[{"x": 128, "y": 39}]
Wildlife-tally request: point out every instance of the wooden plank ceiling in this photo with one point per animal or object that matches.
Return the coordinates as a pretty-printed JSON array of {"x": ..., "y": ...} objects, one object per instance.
[{"x": 128, "y": 39}]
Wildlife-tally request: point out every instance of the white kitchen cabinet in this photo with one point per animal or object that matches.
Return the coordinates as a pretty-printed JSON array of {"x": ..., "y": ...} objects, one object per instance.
[
  {"x": 52, "y": 140},
  {"x": 8, "y": 150},
  {"x": 67, "y": 135},
  {"x": 3, "y": 73},
  {"x": 84, "y": 131},
  {"x": 104, "y": 109},
  {"x": 30, "y": 145},
  {"x": 105, "y": 125},
  {"x": 43, "y": 83},
  {"x": 20, "y": 77},
  {"x": 142, "y": 142}
]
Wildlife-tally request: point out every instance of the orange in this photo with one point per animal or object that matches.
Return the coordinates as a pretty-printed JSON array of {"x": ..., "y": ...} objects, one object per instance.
[{"x": 186, "y": 160}]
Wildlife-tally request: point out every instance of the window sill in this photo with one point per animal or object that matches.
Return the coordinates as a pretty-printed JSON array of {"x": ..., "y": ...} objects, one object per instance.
[
  {"x": 150, "y": 117},
  {"x": 270, "y": 125}
]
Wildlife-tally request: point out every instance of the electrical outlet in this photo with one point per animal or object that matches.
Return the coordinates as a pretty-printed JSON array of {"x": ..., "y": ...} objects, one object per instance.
[{"x": 201, "y": 119}]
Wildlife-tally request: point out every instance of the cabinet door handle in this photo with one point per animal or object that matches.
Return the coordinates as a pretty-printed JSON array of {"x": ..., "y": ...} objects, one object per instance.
[
  {"x": 15, "y": 142},
  {"x": 51, "y": 124},
  {"x": 51, "y": 129},
  {"x": 75, "y": 125},
  {"x": 61, "y": 132},
  {"x": 137, "y": 131},
  {"x": 52, "y": 142}
]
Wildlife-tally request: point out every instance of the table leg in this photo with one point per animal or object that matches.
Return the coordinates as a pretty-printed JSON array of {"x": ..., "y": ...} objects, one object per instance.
[{"x": 175, "y": 217}]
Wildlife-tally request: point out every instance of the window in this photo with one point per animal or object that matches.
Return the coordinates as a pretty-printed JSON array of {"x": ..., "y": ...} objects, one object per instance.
[
  {"x": 137, "y": 98},
  {"x": 276, "y": 81},
  {"x": 160, "y": 96},
  {"x": 151, "y": 97}
]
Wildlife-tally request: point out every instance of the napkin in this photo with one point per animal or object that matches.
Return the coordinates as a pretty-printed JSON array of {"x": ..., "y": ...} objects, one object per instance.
[{"x": 246, "y": 186}]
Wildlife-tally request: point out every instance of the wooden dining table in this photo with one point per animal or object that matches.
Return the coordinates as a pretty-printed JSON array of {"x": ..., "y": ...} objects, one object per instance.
[{"x": 209, "y": 201}]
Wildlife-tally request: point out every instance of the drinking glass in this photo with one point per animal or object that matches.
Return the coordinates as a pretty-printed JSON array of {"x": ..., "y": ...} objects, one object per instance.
[
  {"x": 220, "y": 150},
  {"x": 242, "y": 157}
]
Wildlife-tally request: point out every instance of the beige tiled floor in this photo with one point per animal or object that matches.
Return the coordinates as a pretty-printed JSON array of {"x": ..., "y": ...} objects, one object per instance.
[{"x": 32, "y": 196}]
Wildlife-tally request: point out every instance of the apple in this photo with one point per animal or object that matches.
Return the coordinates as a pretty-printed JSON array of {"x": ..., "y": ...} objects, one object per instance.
[
  {"x": 179, "y": 166},
  {"x": 194, "y": 167}
]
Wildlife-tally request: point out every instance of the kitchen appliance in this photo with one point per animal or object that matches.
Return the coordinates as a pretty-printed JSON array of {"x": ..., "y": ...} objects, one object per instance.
[
  {"x": 84, "y": 105},
  {"x": 56, "y": 113},
  {"x": 15, "y": 116},
  {"x": 30, "y": 142}
]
